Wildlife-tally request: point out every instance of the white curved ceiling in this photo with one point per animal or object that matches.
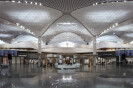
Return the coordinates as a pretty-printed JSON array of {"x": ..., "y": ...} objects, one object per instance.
[
  {"x": 100, "y": 17},
  {"x": 63, "y": 5},
  {"x": 124, "y": 31},
  {"x": 66, "y": 20},
  {"x": 33, "y": 17},
  {"x": 67, "y": 24}
]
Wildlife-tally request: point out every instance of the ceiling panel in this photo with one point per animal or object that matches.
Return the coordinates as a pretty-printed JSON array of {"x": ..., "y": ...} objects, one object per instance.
[
  {"x": 65, "y": 5},
  {"x": 67, "y": 24},
  {"x": 33, "y": 17},
  {"x": 8, "y": 31},
  {"x": 100, "y": 17},
  {"x": 123, "y": 31},
  {"x": 62, "y": 5}
]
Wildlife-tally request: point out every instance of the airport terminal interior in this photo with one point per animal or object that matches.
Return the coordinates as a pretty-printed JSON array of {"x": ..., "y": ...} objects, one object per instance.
[{"x": 66, "y": 43}]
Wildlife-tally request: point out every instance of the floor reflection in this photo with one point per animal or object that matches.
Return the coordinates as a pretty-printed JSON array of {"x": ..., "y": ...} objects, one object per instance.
[{"x": 32, "y": 76}]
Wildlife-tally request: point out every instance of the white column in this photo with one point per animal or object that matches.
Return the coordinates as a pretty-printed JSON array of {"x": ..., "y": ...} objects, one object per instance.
[
  {"x": 94, "y": 49},
  {"x": 39, "y": 45},
  {"x": 39, "y": 50}
]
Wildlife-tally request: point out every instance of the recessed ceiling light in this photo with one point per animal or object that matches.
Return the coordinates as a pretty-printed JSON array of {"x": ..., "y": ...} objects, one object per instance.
[
  {"x": 40, "y": 4},
  {"x": 116, "y": 24},
  {"x": 35, "y": 3},
  {"x": 13, "y": 1},
  {"x": 19, "y": 2},
  {"x": 25, "y": 1}
]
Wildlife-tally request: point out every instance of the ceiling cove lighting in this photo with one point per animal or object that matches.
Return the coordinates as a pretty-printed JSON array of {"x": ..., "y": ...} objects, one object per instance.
[
  {"x": 111, "y": 27},
  {"x": 21, "y": 26}
]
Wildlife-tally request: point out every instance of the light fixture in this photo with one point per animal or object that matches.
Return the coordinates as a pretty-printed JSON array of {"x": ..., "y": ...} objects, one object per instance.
[
  {"x": 67, "y": 78},
  {"x": 116, "y": 24},
  {"x": 49, "y": 76},
  {"x": 26, "y": 2},
  {"x": 12, "y": 1},
  {"x": 31, "y": 2},
  {"x": 19, "y": 2},
  {"x": 40, "y": 4},
  {"x": 35, "y": 3},
  {"x": 111, "y": 27}
]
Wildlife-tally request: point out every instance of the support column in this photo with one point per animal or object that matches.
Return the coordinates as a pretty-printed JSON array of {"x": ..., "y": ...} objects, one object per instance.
[
  {"x": 39, "y": 50},
  {"x": 39, "y": 44},
  {"x": 94, "y": 50}
]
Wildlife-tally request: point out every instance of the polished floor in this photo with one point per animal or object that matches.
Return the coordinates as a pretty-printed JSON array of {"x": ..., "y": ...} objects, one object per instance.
[{"x": 32, "y": 76}]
